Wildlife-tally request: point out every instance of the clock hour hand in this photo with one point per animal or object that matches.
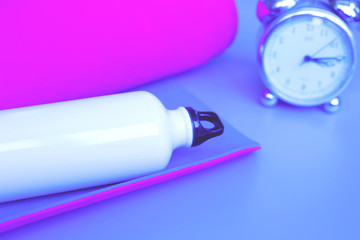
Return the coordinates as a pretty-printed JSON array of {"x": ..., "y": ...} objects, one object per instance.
[{"x": 323, "y": 61}]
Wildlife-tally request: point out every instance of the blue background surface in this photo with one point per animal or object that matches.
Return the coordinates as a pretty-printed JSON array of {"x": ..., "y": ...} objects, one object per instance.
[{"x": 303, "y": 184}]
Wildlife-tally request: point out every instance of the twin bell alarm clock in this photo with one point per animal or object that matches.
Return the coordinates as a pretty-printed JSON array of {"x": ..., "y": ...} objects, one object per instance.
[{"x": 307, "y": 53}]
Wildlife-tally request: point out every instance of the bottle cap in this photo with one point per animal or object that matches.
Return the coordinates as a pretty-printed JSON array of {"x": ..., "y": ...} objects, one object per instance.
[{"x": 201, "y": 133}]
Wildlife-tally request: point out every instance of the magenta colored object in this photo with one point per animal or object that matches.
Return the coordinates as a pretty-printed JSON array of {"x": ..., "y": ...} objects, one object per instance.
[{"x": 61, "y": 50}]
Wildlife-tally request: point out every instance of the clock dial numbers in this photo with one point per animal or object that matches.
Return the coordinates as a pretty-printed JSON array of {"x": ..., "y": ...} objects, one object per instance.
[
  {"x": 310, "y": 27},
  {"x": 319, "y": 84},
  {"x": 324, "y": 32}
]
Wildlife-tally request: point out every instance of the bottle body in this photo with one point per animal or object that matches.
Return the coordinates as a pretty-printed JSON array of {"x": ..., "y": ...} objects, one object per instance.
[{"x": 77, "y": 144}]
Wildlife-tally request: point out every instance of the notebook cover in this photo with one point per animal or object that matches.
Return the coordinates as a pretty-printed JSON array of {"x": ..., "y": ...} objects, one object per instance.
[{"x": 230, "y": 145}]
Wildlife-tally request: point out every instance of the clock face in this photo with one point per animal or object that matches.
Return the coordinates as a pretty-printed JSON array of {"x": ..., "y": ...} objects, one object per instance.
[{"x": 307, "y": 60}]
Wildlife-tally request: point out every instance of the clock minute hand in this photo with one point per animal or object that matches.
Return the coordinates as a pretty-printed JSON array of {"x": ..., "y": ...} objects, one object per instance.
[{"x": 324, "y": 47}]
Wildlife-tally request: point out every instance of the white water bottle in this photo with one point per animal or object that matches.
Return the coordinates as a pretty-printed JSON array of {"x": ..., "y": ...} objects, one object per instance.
[{"x": 77, "y": 144}]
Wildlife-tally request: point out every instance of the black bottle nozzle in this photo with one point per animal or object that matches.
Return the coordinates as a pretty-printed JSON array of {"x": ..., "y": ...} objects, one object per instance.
[{"x": 201, "y": 133}]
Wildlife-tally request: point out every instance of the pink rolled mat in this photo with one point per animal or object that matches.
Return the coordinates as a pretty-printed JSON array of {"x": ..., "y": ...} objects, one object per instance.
[{"x": 61, "y": 50}]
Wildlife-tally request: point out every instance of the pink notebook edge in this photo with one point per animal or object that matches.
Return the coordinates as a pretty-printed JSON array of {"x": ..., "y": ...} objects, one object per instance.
[{"x": 82, "y": 202}]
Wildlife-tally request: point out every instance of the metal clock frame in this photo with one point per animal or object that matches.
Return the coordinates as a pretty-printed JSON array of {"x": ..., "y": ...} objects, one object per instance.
[{"x": 309, "y": 8}]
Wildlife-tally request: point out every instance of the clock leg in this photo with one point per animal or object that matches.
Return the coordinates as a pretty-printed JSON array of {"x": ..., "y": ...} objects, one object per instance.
[
  {"x": 268, "y": 98},
  {"x": 333, "y": 106}
]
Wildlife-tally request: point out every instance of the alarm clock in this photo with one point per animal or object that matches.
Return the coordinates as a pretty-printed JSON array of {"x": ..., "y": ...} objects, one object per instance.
[{"x": 307, "y": 53}]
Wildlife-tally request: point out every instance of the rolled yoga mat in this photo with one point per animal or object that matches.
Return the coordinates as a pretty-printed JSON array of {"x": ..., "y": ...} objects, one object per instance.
[{"x": 62, "y": 50}]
